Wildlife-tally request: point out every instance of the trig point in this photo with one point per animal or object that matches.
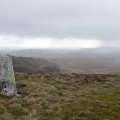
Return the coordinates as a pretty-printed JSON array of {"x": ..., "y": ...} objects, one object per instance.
[{"x": 7, "y": 78}]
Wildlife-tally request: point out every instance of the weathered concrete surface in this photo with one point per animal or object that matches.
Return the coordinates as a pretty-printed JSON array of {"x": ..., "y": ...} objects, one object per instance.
[{"x": 7, "y": 78}]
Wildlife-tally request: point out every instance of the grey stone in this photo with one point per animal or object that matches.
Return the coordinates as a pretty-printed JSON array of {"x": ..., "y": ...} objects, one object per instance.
[{"x": 7, "y": 77}]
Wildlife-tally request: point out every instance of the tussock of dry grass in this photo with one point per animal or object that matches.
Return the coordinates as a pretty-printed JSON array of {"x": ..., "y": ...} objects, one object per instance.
[{"x": 63, "y": 97}]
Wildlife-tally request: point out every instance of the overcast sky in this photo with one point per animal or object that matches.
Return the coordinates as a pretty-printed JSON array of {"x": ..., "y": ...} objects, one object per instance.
[{"x": 59, "y": 23}]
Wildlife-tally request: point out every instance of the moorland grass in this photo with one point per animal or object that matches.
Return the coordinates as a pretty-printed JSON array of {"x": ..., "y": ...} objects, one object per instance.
[{"x": 63, "y": 97}]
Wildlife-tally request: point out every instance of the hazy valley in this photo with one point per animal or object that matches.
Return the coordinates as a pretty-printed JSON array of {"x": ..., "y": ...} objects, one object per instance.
[{"x": 88, "y": 61}]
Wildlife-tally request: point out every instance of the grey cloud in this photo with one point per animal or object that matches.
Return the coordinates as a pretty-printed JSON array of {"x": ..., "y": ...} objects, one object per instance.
[{"x": 61, "y": 18}]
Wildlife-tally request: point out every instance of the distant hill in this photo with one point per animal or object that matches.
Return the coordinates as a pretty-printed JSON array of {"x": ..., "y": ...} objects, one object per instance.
[
  {"x": 61, "y": 53},
  {"x": 79, "y": 65},
  {"x": 83, "y": 61},
  {"x": 34, "y": 65}
]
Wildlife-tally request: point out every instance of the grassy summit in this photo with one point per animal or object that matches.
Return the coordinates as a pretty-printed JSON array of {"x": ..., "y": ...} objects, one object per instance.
[{"x": 63, "y": 97}]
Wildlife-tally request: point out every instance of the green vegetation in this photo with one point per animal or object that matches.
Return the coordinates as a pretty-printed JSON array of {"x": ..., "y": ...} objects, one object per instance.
[{"x": 63, "y": 97}]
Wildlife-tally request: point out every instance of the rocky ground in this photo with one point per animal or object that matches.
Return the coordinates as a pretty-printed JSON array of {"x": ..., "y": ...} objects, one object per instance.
[{"x": 63, "y": 97}]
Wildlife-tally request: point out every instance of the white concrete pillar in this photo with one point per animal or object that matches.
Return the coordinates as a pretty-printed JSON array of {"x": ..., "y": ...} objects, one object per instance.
[{"x": 7, "y": 77}]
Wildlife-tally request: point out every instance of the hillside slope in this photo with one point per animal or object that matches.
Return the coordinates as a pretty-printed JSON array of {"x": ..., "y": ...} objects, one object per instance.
[
  {"x": 73, "y": 65},
  {"x": 34, "y": 65}
]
